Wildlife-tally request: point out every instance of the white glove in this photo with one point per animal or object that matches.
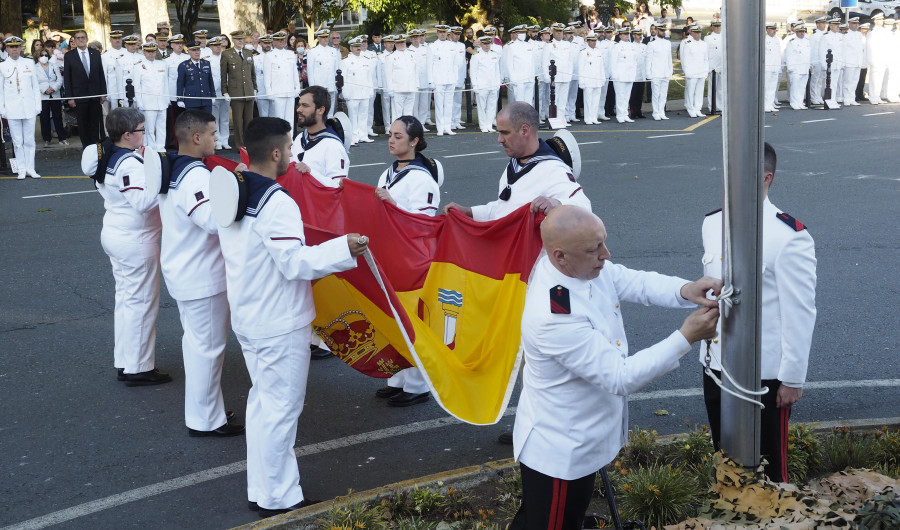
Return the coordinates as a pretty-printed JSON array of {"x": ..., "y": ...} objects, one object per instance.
[
  {"x": 180, "y": 104},
  {"x": 227, "y": 97}
]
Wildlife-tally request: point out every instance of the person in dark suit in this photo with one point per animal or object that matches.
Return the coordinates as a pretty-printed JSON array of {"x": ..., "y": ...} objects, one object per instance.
[
  {"x": 84, "y": 76},
  {"x": 195, "y": 81}
]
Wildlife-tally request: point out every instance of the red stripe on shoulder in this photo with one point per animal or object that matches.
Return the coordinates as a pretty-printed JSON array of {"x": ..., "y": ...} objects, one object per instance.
[
  {"x": 196, "y": 205},
  {"x": 286, "y": 238},
  {"x": 574, "y": 192}
]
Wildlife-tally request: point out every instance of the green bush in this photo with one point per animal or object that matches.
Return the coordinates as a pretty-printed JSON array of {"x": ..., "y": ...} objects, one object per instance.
[
  {"x": 353, "y": 516},
  {"x": 886, "y": 452},
  {"x": 659, "y": 495},
  {"x": 804, "y": 453},
  {"x": 845, "y": 448}
]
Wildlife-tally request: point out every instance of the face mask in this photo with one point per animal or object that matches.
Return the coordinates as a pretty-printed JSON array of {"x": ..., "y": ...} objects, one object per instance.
[
  {"x": 301, "y": 49},
  {"x": 520, "y": 36},
  {"x": 248, "y": 46},
  {"x": 44, "y": 60}
]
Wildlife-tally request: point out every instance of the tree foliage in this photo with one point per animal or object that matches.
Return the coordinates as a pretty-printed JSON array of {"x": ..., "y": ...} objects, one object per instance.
[{"x": 187, "y": 11}]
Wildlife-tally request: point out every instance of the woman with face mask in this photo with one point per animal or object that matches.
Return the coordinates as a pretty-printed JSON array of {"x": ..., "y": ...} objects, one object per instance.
[{"x": 50, "y": 79}]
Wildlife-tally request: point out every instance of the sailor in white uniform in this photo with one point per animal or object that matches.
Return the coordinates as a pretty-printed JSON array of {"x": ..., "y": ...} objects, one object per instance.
[
  {"x": 263, "y": 100},
  {"x": 773, "y": 64},
  {"x": 878, "y": 52},
  {"x": 817, "y": 77},
  {"x": 572, "y": 416},
  {"x": 111, "y": 64},
  {"x": 282, "y": 79},
  {"x": 518, "y": 66},
  {"x": 591, "y": 78},
  {"x": 854, "y": 61},
  {"x": 560, "y": 51},
  {"x": 484, "y": 70},
  {"x": 194, "y": 270},
  {"x": 202, "y": 36},
  {"x": 220, "y": 107},
  {"x": 268, "y": 269},
  {"x": 659, "y": 71},
  {"x": 20, "y": 103},
  {"x": 322, "y": 63},
  {"x": 401, "y": 79},
  {"x": 695, "y": 63},
  {"x": 797, "y": 56},
  {"x": 419, "y": 51},
  {"x": 442, "y": 71},
  {"x": 151, "y": 96},
  {"x": 716, "y": 51},
  {"x": 359, "y": 89},
  {"x": 319, "y": 150},
  {"x": 623, "y": 57}
]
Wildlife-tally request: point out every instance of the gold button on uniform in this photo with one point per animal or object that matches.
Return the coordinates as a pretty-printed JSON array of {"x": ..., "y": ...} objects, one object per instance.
[
  {"x": 617, "y": 305},
  {"x": 618, "y": 343}
]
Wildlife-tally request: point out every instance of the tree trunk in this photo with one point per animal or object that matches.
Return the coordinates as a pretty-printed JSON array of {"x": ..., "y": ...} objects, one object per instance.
[
  {"x": 240, "y": 15},
  {"x": 96, "y": 20},
  {"x": 152, "y": 12},
  {"x": 11, "y": 17},
  {"x": 274, "y": 14},
  {"x": 48, "y": 11}
]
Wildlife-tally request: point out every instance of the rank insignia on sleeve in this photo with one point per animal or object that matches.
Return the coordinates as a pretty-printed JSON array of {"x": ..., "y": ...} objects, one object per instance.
[
  {"x": 199, "y": 195},
  {"x": 791, "y": 222},
  {"x": 559, "y": 301},
  {"x": 126, "y": 180}
]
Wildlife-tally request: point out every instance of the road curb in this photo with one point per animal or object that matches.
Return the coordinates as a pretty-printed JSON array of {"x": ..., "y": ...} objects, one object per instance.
[{"x": 306, "y": 518}]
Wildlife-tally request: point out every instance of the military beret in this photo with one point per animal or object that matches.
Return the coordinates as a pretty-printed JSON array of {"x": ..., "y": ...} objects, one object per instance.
[{"x": 238, "y": 34}]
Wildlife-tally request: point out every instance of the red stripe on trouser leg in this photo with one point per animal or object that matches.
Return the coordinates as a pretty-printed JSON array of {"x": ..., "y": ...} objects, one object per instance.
[
  {"x": 558, "y": 505},
  {"x": 785, "y": 416}
]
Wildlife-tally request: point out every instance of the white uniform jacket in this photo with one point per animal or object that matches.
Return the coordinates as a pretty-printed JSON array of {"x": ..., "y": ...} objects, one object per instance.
[
  {"x": 788, "y": 293},
  {"x": 151, "y": 85},
  {"x": 695, "y": 59},
  {"x": 715, "y": 49},
  {"x": 269, "y": 267},
  {"x": 835, "y": 42},
  {"x": 400, "y": 72},
  {"x": 215, "y": 66},
  {"x": 172, "y": 63},
  {"x": 20, "y": 93},
  {"x": 773, "y": 54},
  {"x": 132, "y": 211},
  {"x": 623, "y": 62},
  {"x": 484, "y": 70},
  {"x": 797, "y": 56},
  {"x": 325, "y": 155},
  {"x": 545, "y": 174},
  {"x": 420, "y": 56},
  {"x": 191, "y": 259},
  {"x": 815, "y": 39},
  {"x": 641, "y": 60},
  {"x": 112, "y": 65},
  {"x": 591, "y": 70},
  {"x": 441, "y": 63},
  {"x": 561, "y": 52},
  {"x": 878, "y": 47},
  {"x": 572, "y": 416},
  {"x": 130, "y": 62},
  {"x": 854, "y": 50},
  {"x": 518, "y": 62},
  {"x": 460, "y": 48},
  {"x": 281, "y": 75},
  {"x": 413, "y": 187},
  {"x": 359, "y": 77},
  {"x": 322, "y": 63},
  {"x": 659, "y": 59}
]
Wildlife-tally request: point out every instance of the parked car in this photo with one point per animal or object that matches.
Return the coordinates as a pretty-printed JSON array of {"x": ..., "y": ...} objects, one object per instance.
[{"x": 864, "y": 9}]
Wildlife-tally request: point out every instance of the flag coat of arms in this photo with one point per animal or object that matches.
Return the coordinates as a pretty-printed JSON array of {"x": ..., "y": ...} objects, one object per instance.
[{"x": 442, "y": 293}]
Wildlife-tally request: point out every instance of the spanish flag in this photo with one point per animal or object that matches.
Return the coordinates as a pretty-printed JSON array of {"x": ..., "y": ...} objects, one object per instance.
[{"x": 442, "y": 293}]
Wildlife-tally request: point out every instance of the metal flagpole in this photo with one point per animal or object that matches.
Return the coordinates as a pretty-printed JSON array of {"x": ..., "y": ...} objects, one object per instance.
[{"x": 743, "y": 161}]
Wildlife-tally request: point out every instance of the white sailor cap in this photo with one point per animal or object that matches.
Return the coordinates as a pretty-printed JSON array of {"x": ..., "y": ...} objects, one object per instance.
[
  {"x": 877, "y": 15},
  {"x": 356, "y": 41},
  {"x": 520, "y": 27},
  {"x": 215, "y": 41},
  {"x": 800, "y": 26},
  {"x": 771, "y": 25},
  {"x": 202, "y": 33},
  {"x": 569, "y": 29},
  {"x": 535, "y": 27},
  {"x": 13, "y": 41},
  {"x": 490, "y": 30},
  {"x": 823, "y": 19},
  {"x": 442, "y": 27},
  {"x": 853, "y": 20},
  {"x": 834, "y": 20},
  {"x": 456, "y": 29},
  {"x": 279, "y": 35},
  {"x": 324, "y": 32},
  {"x": 590, "y": 36},
  {"x": 557, "y": 26},
  {"x": 844, "y": 25},
  {"x": 486, "y": 38}
]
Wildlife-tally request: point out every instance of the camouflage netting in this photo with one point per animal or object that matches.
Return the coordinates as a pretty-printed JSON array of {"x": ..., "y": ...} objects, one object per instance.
[{"x": 746, "y": 499}]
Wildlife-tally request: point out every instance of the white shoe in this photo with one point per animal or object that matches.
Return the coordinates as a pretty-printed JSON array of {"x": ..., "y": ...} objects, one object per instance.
[
  {"x": 21, "y": 176},
  {"x": 366, "y": 140},
  {"x": 32, "y": 173},
  {"x": 574, "y": 120},
  {"x": 657, "y": 118},
  {"x": 485, "y": 131},
  {"x": 226, "y": 146},
  {"x": 629, "y": 120},
  {"x": 450, "y": 132},
  {"x": 459, "y": 127},
  {"x": 664, "y": 117},
  {"x": 620, "y": 120},
  {"x": 700, "y": 115},
  {"x": 218, "y": 147},
  {"x": 492, "y": 130},
  {"x": 426, "y": 129},
  {"x": 604, "y": 118},
  {"x": 767, "y": 109},
  {"x": 372, "y": 133},
  {"x": 439, "y": 133}
]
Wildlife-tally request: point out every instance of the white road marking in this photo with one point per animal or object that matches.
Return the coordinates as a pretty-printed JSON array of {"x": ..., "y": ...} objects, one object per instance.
[
  {"x": 817, "y": 121},
  {"x": 57, "y": 194},
  {"x": 199, "y": 477},
  {"x": 590, "y": 143},
  {"x": 472, "y": 154},
  {"x": 670, "y": 135},
  {"x": 878, "y": 113},
  {"x": 372, "y": 164}
]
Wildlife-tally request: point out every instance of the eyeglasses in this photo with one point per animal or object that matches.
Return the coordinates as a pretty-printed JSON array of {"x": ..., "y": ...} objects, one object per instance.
[{"x": 137, "y": 131}]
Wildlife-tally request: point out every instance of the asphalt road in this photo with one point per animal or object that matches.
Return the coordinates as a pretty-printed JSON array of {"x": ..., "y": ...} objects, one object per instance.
[{"x": 80, "y": 450}]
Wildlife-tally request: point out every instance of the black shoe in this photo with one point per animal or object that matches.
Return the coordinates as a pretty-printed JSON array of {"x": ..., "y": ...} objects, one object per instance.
[
  {"x": 229, "y": 429},
  {"x": 317, "y": 352},
  {"x": 405, "y": 399},
  {"x": 267, "y": 512},
  {"x": 120, "y": 374},
  {"x": 150, "y": 377},
  {"x": 387, "y": 391},
  {"x": 505, "y": 438}
]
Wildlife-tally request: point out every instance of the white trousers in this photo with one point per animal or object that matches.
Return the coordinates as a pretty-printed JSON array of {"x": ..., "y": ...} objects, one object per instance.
[
  {"x": 848, "y": 86},
  {"x": 423, "y": 106},
  {"x": 603, "y": 90},
  {"x": 876, "y": 82},
  {"x": 220, "y": 109},
  {"x": 623, "y": 94},
  {"x": 278, "y": 367},
  {"x": 797, "y": 90},
  {"x": 205, "y": 324},
  {"x": 402, "y": 104},
  {"x": 283, "y": 108},
  {"x": 770, "y": 89},
  {"x": 370, "y": 113},
  {"x": 591, "y": 104},
  {"x": 720, "y": 91},
  {"x": 816, "y": 85},
  {"x": 544, "y": 95},
  {"x": 262, "y": 105},
  {"x": 693, "y": 95},
  {"x": 443, "y": 108},
  {"x": 410, "y": 380},
  {"x": 135, "y": 268},
  {"x": 562, "y": 99},
  {"x": 487, "y": 108},
  {"x": 155, "y": 129},
  {"x": 660, "y": 92},
  {"x": 331, "y": 111},
  {"x": 457, "y": 105},
  {"x": 837, "y": 78},
  {"x": 386, "y": 110},
  {"x": 522, "y": 92},
  {"x": 891, "y": 87},
  {"x": 572, "y": 101},
  {"x": 22, "y": 132},
  {"x": 356, "y": 108}
]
